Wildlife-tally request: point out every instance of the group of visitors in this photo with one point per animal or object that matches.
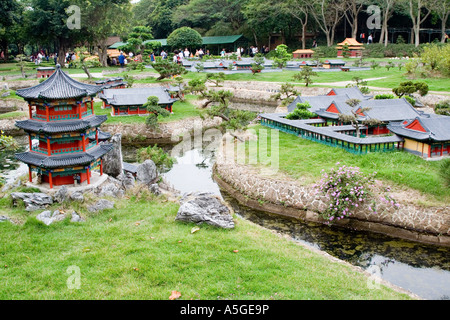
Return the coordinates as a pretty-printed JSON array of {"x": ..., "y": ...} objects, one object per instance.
[
  {"x": 41, "y": 55},
  {"x": 362, "y": 37}
]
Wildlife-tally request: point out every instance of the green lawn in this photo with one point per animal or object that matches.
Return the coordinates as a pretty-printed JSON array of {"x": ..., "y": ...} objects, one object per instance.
[
  {"x": 181, "y": 110},
  {"x": 303, "y": 159},
  {"x": 138, "y": 251}
]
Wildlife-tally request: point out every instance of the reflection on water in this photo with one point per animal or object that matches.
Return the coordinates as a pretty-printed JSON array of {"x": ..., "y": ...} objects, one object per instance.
[
  {"x": 419, "y": 268},
  {"x": 192, "y": 172}
]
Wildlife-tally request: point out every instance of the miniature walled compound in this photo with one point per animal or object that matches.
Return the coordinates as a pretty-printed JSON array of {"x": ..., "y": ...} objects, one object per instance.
[
  {"x": 398, "y": 125},
  {"x": 131, "y": 101},
  {"x": 66, "y": 131},
  {"x": 44, "y": 72}
]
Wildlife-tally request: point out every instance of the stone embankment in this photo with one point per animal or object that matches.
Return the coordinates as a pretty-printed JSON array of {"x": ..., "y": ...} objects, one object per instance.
[
  {"x": 167, "y": 133},
  {"x": 286, "y": 197}
]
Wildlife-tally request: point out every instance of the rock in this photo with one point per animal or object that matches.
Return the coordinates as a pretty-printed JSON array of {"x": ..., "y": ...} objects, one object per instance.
[
  {"x": 199, "y": 207},
  {"x": 61, "y": 195},
  {"x": 154, "y": 188},
  {"x": 127, "y": 179},
  {"x": 101, "y": 204},
  {"x": 77, "y": 196},
  {"x": 48, "y": 217},
  {"x": 33, "y": 201},
  {"x": 4, "y": 218},
  {"x": 111, "y": 190},
  {"x": 76, "y": 217},
  {"x": 112, "y": 161},
  {"x": 45, "y": 217},
  {"x": 147, "y": 173}
]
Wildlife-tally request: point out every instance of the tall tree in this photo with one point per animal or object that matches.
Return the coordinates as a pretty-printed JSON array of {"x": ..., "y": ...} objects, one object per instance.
[
  {"x": 327, "y": 14},
  {"x": 352, "y": 9},
  {"x": 105, "y": 18},
  {"x": 300, "y": 11},
  {"x": 419, "y": 10},
  {"x": 157, "y": 14},
  {"x": 10, "y": 12},
  {"x": 48, "y": 23},
  {"x": 442, "y": 10},
  {"x": 387, "y": 8}
]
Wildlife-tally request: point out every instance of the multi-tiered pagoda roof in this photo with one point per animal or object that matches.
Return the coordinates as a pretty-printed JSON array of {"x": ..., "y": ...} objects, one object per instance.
[{"x": 63, "y": 123}]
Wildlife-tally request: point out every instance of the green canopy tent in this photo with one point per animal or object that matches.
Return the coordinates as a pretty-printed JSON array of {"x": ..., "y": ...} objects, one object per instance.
[{"x": 213, "y": 43}]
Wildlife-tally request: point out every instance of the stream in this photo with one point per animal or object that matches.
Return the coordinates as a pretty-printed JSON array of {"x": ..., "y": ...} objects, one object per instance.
[{"x": 420, "y": 268}]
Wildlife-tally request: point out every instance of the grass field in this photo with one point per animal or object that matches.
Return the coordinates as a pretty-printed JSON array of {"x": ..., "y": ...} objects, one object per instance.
[{"x": 138, "y": 251}]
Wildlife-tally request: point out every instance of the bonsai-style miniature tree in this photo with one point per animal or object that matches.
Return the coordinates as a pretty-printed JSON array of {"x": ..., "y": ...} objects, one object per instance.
[
  {"x": 154, "y": 111},
  {"x": 167, "y": 69},
  {"x": 216, "y": 78},
  {"x": 258, "y": 65},
  {"x": 281, "y": 56},
  {"x": 286, "y": 94},
  {"x": 22, "y": 64},
  {"x": 305, "y": 75},
  {"x": 353, "y": 117},
  {"x": 86, "y": 61},
  {"x": 409, "y": 87}
]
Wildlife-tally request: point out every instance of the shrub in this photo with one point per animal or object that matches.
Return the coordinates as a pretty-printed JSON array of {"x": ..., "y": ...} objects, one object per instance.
[
  {"x": 345, "y": 189},
  {"x": 384, "y": 96},
  {"x": 443, "y": 107},
  {"x": 410, "y": 99},
  {"x": 161, "y": 159},
  {"x": 301, "y": 112}
]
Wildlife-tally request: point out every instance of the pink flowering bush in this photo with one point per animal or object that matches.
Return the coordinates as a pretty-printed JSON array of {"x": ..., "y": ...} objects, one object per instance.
[{"x": 345, "y": 189}]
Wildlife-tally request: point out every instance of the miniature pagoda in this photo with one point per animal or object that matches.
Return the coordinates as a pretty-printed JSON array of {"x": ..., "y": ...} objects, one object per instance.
[{"x": 63, "y": 123}]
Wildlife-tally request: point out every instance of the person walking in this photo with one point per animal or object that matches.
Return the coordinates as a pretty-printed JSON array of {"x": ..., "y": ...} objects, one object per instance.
[{"x": 121, "y": 59}]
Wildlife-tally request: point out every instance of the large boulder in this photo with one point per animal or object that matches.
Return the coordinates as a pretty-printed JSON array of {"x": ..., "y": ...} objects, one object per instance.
[
  {"x": 112, "y": 161},
  {"x": 33, "y": 201},
  {"x": 205, "y": 207},
  {"x": 147, "y": 173}
]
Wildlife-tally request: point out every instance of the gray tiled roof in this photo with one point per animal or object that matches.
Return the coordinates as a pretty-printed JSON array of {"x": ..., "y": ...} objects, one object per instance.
[
  {"x": 389, "y": 109},
  {"x": 352, "y": 93},
  {"x": 61, "y": 126},
  {"x": 135, "y": 96},
  {"x": 437, "y": 128},
  {"x": 65, "y": 160},
  {"x": 328, "y": 131},
  {"x": 59, "y": 86},
  {"x": 317, "y": 102}
]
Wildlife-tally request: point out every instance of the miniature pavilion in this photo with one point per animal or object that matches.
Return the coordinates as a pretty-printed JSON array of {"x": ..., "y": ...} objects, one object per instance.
[
  {"x": 354, "y": 48},
  {"x": 66, "y": 131}
]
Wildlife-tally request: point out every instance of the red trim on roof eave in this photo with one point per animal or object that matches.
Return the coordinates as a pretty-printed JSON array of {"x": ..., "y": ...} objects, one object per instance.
[
  {"x": 331, "y": 93},
  {"x": 333, "y": 109},
  {"x": 416, "y": 126}
]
